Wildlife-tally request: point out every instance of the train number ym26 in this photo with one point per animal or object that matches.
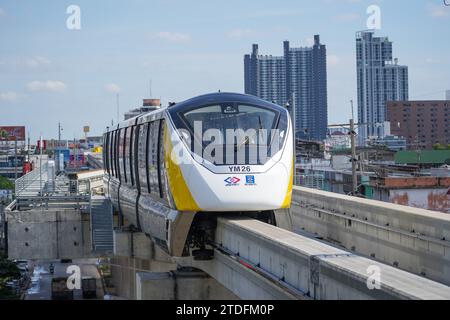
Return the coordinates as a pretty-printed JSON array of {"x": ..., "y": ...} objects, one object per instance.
[{"x": 245, "y": 169}]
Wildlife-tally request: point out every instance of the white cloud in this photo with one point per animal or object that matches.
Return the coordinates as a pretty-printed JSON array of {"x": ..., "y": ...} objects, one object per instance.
[
  {"x": 2, "y": 12},
  {"x": 348, "y": 17},
  {"x": 339, "y": 1},
  {"x": 112, "y": 87},
  {"x": 332, "y": 60},
  {"x": 26, "y": 64},
  {"x": 439, "y": 11},
  {"x": 36, "y": 62},
  {"x": 309, "y": 42},
  {"x": 49, "y": 85},
  {"x": 240, "y": 33},
  {"x": 175, "y": 37},
  {"x": 275, "y": 13},
  {"x": 9, "y": 96}
]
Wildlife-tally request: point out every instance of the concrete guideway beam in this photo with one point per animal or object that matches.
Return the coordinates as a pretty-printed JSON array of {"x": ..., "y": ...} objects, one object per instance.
[
  {"x": 412, "y": 239},
  {"x": 304, "y": 265},
  {"x": 238, "y": 278}
]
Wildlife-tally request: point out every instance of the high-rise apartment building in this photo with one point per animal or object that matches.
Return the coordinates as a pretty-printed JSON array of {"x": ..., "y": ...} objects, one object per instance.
[
  {"x": 301, "y": 71},
  {"x": 380, "y": 79}
]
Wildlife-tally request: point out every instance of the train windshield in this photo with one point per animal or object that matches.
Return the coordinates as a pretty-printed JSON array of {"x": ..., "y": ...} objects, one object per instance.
[{"x": 233, "y": 133}]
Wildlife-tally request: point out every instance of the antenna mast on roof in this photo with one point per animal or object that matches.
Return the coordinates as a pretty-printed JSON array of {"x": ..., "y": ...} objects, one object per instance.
[{"x": 150, "y": 88}]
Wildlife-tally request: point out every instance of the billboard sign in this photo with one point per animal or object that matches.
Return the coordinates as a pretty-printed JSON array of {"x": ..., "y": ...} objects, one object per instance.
[{"x": 12, "y": 133}]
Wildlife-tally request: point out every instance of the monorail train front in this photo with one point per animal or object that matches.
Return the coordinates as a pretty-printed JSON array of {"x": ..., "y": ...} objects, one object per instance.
[
  {"x": 229, "y": 153},
  {"x": 172, "y": 171}
]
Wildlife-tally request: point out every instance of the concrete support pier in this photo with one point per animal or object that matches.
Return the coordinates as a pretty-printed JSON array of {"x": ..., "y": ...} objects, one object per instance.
[
  {"x": 183, "y": 284},
  {"x": 143, "y": 271}
]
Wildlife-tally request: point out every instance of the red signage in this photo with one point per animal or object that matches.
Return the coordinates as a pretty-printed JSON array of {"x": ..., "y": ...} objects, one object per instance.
[{"x": 12, "y": 133}]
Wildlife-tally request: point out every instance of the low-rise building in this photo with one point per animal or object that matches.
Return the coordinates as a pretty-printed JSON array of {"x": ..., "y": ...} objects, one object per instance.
[{"x": 148, "y": 105}]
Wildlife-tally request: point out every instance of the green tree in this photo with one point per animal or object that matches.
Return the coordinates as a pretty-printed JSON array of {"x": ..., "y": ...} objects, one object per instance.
[
  {"x": 3, "y": 134},
  {"x": 439, "y": 146},
  {"x": 5, "y": 184},
  {"x": 8, "y": 271}
]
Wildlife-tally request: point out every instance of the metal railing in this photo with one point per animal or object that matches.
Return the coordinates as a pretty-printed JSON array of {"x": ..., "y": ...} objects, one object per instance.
[
  {"x": 41, "y": 188},
  {"x": 33, "y": 183},
  {"x": 313, "y": 181}
]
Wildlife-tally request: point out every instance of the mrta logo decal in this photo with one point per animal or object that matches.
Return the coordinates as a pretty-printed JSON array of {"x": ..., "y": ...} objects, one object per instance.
[{"x": 232, "y": 181}]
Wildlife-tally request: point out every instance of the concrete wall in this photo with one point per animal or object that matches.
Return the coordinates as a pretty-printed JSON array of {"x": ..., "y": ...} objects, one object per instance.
[
  {"x": 180, "y": 285},
  {"x": 48, "y": 234},
  {"x": 123, "y": 271},
  {"x": 141, "y": 270},
  {"x": 412, "y": 239},
  {"x": 430, "y": 199},
  {"x": 135, "y": 252}
]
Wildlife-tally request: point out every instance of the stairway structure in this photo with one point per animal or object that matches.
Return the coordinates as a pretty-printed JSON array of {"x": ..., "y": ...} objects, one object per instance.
[{"x": 101, "y": 225}]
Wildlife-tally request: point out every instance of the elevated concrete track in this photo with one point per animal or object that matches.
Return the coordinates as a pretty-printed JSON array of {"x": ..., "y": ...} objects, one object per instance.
[
  {"x": 259, "y": 261},
  {"x": 412, "y": 239}
]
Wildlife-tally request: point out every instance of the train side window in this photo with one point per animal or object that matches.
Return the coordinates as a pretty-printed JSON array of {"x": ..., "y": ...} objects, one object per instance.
[
  {"x": 147, "y": 171},
  {"x": 142, "y": 157},
  {"x": 153, "y": 157},
  {"x": 105, "y": 165},
  {"x": 161, "y": 165},
  {"x": 125, "y": 154},
  {"x": 131, "y": 154},
  {"x": 116, "y": 154},
  {"x": 112, "y": 148},
  {"x": 136, "y": 134},
  {"x": 105, "y": 151},
  {"x": 108, "y": 152},
  {"x": 120, "y": 153}
]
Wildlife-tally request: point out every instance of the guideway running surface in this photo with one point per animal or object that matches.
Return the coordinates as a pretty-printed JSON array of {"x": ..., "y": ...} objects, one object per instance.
[{"x": 306, "y": 268}]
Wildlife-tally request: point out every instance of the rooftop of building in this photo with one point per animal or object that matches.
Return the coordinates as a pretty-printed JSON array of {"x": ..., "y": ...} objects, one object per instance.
[{"x": 425, "y": 157}]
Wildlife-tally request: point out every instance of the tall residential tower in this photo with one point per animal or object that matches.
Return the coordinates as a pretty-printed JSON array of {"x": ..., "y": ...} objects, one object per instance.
[
  {"x": 380, "y": 79},
  {"x": 302, "y": 71}
]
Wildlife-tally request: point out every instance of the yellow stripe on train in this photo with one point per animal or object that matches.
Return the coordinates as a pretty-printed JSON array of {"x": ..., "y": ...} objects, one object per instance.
[{"x": 184, "y": 201}]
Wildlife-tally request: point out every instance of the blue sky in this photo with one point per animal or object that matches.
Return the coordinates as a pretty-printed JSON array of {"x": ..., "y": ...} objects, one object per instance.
[{"x": 49, "y": 73}]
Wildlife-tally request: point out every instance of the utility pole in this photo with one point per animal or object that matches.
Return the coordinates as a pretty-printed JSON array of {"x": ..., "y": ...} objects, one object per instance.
[
  {"x": 354, "y": 159},
  {"x": 150, "y": 87},
  {"x": 28, "y": 153},
  {"x": 59, "y": 133}
]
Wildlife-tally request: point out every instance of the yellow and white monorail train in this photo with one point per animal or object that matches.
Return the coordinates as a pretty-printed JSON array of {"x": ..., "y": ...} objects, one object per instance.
[{"x": 171, "y": 172}]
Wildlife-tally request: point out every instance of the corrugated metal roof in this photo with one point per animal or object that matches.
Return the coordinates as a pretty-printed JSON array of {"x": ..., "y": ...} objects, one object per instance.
[{"x": 422, "y": 157}]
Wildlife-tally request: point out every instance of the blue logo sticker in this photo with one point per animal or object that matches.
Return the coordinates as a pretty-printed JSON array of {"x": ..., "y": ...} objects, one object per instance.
[{"x": 250, "y": 180}]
